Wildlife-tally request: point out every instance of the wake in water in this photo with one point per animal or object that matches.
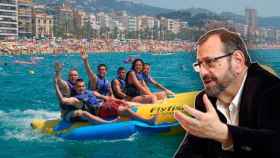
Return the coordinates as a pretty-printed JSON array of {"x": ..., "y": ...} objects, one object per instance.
[{"x": 16, "y": 124}]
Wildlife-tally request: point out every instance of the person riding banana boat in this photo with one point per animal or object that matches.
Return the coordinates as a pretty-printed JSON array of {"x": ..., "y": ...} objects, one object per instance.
[{"x": 84, "y": 105}]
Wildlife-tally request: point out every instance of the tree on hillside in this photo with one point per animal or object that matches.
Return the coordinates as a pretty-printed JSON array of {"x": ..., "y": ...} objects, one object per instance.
[{"x": 87, "y": 31}]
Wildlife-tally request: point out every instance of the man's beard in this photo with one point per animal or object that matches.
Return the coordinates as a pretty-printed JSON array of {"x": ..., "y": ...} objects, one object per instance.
[{"x": 221, "y": 84}]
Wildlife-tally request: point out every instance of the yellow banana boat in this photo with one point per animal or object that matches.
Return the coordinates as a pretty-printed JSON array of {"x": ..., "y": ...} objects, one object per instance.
[{"x": 165, "y": 123}]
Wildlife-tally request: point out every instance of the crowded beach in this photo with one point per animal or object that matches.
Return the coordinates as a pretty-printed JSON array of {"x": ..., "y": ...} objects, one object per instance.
[{"x": 58, "y": 46}]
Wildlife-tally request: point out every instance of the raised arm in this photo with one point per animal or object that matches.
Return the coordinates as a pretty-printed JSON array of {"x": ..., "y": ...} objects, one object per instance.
[
  {"x": 64, "y": 100},
  {"x": 61, "y": 83},
  {"x": 72, "y": 101},
  {"x": 92, "y": 77}
]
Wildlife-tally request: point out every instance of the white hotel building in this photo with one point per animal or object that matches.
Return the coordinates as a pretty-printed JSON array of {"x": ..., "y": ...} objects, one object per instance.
[{"x": 8, "y": 18}]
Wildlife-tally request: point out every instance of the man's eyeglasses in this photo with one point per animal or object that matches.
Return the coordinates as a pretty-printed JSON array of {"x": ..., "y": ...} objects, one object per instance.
[{"x": 208, "y": 63}]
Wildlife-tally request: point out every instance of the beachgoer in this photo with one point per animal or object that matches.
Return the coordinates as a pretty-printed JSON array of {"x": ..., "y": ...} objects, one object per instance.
[
  {"x": 136, "y": 88},
  {"x": 67, "y": 87},
  {"x": 85, "y": 105},
  {"x": 98, "y": 83},
  {"x": 118, "y": 84},
  {"x": 150, "y": 80}
]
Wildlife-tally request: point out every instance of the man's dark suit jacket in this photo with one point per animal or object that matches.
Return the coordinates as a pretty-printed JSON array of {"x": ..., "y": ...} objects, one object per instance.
[{"x": 258, "y": 131}]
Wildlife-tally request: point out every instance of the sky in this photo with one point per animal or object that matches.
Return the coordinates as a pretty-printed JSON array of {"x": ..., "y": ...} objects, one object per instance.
[{"x": 265, "y": 8}]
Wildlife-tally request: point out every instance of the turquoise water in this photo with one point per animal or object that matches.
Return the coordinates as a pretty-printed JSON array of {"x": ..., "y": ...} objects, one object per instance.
[{"x": 25, "y": 96}]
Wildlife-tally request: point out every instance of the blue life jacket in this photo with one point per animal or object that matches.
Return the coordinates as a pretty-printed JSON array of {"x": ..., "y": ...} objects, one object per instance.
[
  {"x": 71, "y": 86},
  {"x": 122, "y": 82},
  {"x": 130, "y": 89},
  {"x": 88, "y": 98},
  {"x": 102, "y": 86},
  {"x": 139, "y": 76},
  {"x": 66, "y": 107},
  {"x": 147, "y": 78},
  {"x": 90, "y": 102}
]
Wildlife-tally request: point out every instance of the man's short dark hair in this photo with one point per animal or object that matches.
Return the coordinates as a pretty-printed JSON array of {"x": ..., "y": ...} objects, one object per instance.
[
  {"x": 147, "y": 64},
  {"x": 79, "y": 80},
  {"x": 121, "y": 69},
  {"x": 231, "y": 42},
  {"x": 102, "y": 65},
  {"x": 73, "y": 69}
]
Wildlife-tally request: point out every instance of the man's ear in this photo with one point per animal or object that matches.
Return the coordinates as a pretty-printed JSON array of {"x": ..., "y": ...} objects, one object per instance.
[{"x": 238, "y": 60}]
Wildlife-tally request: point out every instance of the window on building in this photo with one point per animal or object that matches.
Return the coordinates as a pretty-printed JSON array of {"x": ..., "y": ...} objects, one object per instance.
[{"x": 8, "y": 1}]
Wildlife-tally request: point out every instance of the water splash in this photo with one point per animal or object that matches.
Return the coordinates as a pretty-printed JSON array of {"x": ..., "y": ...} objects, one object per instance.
[{"x": 16, "y": 124}]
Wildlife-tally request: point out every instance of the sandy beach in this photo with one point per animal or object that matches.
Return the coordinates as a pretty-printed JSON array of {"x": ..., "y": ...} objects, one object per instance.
[{"x": 32, "y": 47}]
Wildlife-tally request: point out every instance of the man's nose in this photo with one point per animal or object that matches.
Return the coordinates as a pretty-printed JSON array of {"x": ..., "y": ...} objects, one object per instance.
[{"x": 203, "y": 71}]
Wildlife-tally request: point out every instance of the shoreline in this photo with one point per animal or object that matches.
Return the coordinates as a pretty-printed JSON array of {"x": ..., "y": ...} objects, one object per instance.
[
  {"x": 90, "y": 52},
  {"x": 113, "y": 52},
  {"x": 73, "y": 46},
  {"x": 128, "y": 53},
  {"x": 33, "y": 47}
]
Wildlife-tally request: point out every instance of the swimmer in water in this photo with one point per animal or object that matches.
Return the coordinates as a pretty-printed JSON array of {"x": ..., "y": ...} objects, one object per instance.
[{"x": 25, "y": 62}]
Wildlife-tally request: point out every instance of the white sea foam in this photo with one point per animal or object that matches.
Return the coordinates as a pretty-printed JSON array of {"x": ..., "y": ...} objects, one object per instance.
[
  {"x": 129, "y": 139},
  {"x": 16, "y": 124}
]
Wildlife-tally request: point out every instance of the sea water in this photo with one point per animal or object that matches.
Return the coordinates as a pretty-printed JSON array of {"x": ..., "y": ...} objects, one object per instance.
[{"x": 27, "y": 92}]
